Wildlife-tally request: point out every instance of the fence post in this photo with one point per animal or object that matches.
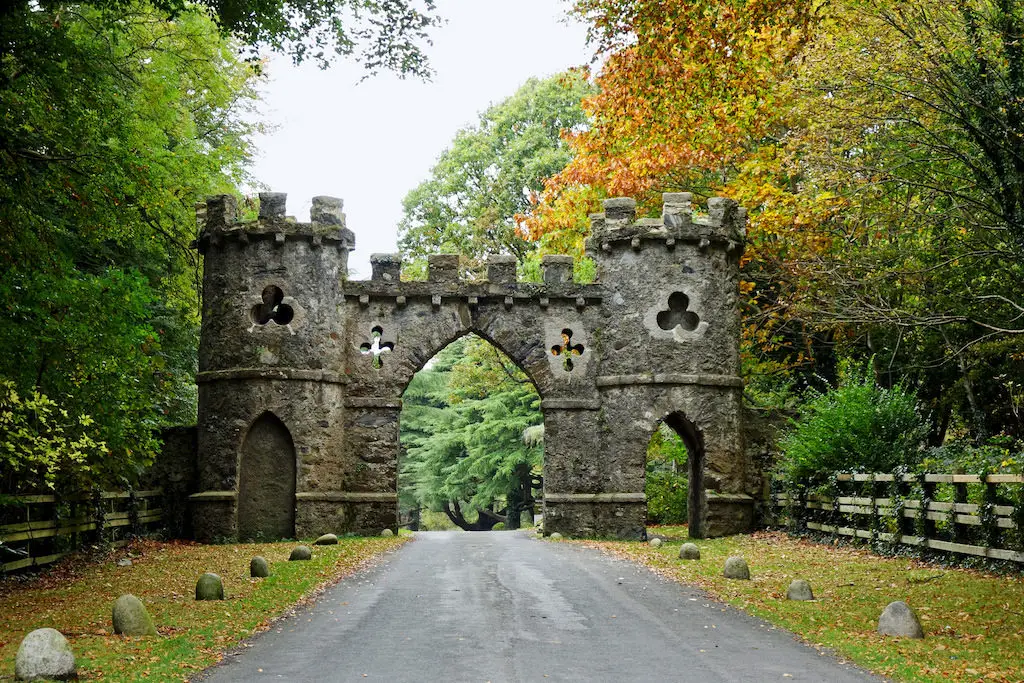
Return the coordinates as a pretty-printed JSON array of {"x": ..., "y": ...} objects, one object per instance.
[
  {"x": 927, "y": 496},
  {"x": 960, "y": 534}
]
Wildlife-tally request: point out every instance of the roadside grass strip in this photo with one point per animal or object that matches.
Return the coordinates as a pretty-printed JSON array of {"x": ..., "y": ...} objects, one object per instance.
[
  {"x": 973, "y": 621},
  {"x": 77, "y": 601}
]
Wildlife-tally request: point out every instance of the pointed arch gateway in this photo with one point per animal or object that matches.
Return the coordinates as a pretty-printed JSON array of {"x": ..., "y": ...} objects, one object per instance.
[{"x": 266, "y": 482}]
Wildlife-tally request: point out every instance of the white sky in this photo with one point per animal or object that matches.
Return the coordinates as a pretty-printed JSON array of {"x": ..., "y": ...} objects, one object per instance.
[{"x": 371, "y": 142}]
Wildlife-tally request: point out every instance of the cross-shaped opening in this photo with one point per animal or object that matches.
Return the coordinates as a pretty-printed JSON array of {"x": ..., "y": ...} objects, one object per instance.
[
  {"x": 376, "y": 347},
  {"x": 566, "y": 350},
  {"x": 677, "y": 314},
  {"x": 272, "y": 309}
]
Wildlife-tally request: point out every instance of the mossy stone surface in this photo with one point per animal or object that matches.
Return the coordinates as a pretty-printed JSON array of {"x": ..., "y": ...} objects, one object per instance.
[
  {"x": 736, "y": 568},
  {"x": 799, "y": 589},
  {"x": 689, "y": 551},
  {"x": 209, "y": 587},
  {"x": 259, "y": 568},
  {"x": 131, "y": 618},
  {"x": 326, "y": 539},
  {"x": 299, "y": 553}
]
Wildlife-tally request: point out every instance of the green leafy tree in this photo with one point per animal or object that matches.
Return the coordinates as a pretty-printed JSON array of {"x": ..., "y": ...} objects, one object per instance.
[
  {"x": 109, "y": 134},
  {"x": 462, "y": 433},
  {"x": 381, "y": 34},
  {"x": 485, "y": 178},
  {"x": 667, "y": 485}
]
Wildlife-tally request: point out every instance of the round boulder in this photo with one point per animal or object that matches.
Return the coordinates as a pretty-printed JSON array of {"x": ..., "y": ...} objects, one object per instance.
[
  {"x": 799, "y": 589},
  {"x": 209, "y": 587},
  {"x": 301, "y": 552},
  {"x": 736, "y": 568},
  {"x": 654, "y": 542},
  {"x": 259, "y": 568},
  {"x": 326, "y": 539},
  {"x": 898, "y": 619},
  {"x": 689, "y": 551},
  {"x": 555, "y": 536},
  {"x": 387, "y": 532},
  {"x": 45, "y": 654},
  {"x": 131, "y": 618}
]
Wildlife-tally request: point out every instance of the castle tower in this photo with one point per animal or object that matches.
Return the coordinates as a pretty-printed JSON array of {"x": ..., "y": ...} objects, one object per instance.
[
  {"x": 670, "y": 346},
  {"x": 271, "y": 363}
]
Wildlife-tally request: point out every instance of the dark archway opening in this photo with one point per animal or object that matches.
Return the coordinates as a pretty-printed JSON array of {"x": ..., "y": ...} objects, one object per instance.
[
  {"x": 674, "y": 484},
  {"x": 470, "y": 456},
  {"x": 266, "y": 482}
]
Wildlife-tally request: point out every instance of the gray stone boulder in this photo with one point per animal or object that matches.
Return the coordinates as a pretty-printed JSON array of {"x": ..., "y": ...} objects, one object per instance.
[
  {"x": 259, "y": 568},
  {"x": 45, "y": 654},
  {"x": 209, "y": 587},
  {"x": 689, "y": 551},
  {"x": 387, "y": 532},
  {"x": 655, "y": 542},
  {"x": 301, "y": 552},
  {"x": 799, "y": 589},
  {"x": 898, "y": 619},
  {"x": 736, "y": 568},
  {"x": 555, "y": 536},
  {"x": 326, "y": 539},
  {"x": 131, "y": 618}
]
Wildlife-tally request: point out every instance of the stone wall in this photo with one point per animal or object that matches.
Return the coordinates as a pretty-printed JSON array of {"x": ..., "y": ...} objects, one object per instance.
[{"x": 656, "y": 337}]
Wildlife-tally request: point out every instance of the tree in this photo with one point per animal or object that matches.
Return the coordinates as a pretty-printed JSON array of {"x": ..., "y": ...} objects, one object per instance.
[
  {"x": 484, "y": 179},
  {"x": 381, "y": 34},
  {"x": 109, "y": 134},
  {"x": 462, "y": 425}
]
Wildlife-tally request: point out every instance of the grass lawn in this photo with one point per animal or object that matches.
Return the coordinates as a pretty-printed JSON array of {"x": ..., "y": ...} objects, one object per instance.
[
  {"x": 973, "y": 622},
  {"x": 77, "y": 601}
]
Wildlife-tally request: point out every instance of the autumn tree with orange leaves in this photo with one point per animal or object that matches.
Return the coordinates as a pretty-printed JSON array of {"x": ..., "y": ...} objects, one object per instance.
[{"x": 876, "y": 144}]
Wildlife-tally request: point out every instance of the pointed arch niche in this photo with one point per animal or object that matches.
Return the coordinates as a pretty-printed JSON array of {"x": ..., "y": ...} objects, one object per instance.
[{"x": 266, "y": 482}]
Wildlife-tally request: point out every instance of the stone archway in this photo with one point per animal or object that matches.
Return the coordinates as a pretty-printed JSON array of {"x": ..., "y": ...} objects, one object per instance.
[
  {"x": 266, "y": 482},
  {"x": 694, "y": 442},
  {"x": 657, "y": 333}
]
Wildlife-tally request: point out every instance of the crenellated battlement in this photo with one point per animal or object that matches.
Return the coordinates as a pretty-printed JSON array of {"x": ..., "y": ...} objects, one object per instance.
[
  {"x": 724, "y": 225},
  {"x": 218, "y": 219}
]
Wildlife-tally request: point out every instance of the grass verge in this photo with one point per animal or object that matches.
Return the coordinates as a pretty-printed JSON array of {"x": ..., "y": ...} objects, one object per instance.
[
  {"x": 77, "y": 601},
  {"x": 974, "y": 622}
]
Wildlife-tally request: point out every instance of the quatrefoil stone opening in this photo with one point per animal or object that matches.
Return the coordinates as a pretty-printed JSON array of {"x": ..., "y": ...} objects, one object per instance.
[
  {"x": 678, "y": 314},
  {"x": 272, "y": 310},
  {"x": 567, "y": 350},
  {"x": 376, "y": 348}
]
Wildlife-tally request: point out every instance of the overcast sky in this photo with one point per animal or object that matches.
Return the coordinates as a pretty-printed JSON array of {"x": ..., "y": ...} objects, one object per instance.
[{"x": 371, "y": 142}]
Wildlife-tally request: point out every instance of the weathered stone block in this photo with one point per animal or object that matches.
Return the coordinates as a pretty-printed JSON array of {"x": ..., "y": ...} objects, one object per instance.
[
  {"x": 130, "y": 617},
  {"x": 556, "y": 268},
  {"x": 736, "y": 568},
  {"x": 273, "y": 206},
  {"x": 898, "y": 619},
  {"x": 327, "y": 211},
  {"x": 386, "y": 267},
  {"x": 799, "y": 589},
  {"x": 259, "y": 568},
  {"x": 45, "y": 654},
  {"x": 443, "y": 268},
  {"x": 501, "y": 269},
  {"x": 209, "y": 587}
]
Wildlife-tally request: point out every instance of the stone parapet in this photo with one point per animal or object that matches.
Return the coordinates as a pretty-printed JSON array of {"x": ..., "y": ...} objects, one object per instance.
[
  {"x": 723, "y": 226},
  {"x": 221, "y": 226}
]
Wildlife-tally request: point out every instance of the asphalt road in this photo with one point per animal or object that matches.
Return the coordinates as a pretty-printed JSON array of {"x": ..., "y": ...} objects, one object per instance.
[{"x": 504, "y": 606}]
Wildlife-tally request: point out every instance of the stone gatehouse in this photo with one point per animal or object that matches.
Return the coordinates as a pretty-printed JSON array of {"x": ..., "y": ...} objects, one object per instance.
[{"x": 302, "y": 370}]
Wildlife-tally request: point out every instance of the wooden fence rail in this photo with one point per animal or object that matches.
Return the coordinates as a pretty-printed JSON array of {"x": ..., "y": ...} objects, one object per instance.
[
  {"x": 49, "y": 527},
  {"x": 959, "y": 513}
]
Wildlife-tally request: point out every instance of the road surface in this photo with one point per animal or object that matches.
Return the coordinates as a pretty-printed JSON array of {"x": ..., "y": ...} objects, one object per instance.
[{"x": 504, "y": 606}]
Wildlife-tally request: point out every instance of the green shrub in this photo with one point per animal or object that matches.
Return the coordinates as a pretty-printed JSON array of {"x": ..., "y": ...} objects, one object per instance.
[
  {"x": 500, "y": 526},
  {"x": 856, "y": 427}
]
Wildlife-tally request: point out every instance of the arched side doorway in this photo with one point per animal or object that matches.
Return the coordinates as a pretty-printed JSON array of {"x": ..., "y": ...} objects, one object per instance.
[
  {"x": 266, "y": 482},
  {"x": 694, "y": 442}
]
